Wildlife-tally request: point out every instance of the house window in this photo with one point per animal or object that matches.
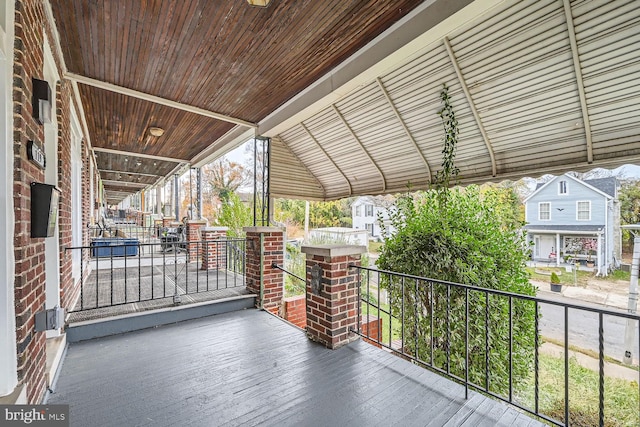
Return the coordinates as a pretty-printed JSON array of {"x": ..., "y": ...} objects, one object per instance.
[
  {"x": 358, "y": 210},
  {"x": 562, "y": 187},
  {"x": 370, "y": 229},
  {"x": 368, "y": 210},
  {"x": 583, "y": 210},
  {"x": 544, "y": 211}
]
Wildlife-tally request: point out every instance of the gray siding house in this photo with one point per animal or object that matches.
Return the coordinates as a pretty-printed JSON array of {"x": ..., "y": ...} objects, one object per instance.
[{"x": 568, "y": 218}]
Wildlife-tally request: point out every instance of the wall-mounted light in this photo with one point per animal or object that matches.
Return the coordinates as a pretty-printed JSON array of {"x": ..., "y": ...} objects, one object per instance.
[
  {"x": 41, "y": 101},
  {"x": 259, "y": 3}
]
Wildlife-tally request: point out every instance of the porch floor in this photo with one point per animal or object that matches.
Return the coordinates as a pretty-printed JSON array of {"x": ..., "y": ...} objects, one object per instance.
[{"x": 248, "y": 368}]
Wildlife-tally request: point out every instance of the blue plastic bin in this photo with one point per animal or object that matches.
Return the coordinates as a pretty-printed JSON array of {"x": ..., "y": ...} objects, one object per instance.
[{"x": 114, "y": 246}]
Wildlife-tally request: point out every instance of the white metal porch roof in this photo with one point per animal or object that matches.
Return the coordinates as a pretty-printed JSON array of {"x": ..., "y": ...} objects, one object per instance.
[{"x": 538, "y": 86}]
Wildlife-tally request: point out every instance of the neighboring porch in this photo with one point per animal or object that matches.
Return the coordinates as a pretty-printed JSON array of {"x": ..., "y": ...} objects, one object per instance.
[{"x": 584, "y": 246}]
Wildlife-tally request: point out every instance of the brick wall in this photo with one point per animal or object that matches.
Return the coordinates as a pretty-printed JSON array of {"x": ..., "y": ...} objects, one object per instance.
[
  {"x": 64, "y": 184},
  {"x": 214, "y": 249},
  {"x": 272, "y": 278},
  {"x": 295, "y": 310},
  {"x": 372, "y": 327},
  {"x": 29, "y": 286},
  {"x": 193, "y": 234}
]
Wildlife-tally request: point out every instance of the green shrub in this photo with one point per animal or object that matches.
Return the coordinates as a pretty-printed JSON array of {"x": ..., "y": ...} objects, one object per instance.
[{"x": 456, "y": 235}]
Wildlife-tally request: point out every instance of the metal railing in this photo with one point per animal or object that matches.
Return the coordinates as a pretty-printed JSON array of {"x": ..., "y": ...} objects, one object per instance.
[
  {"x": 488, "y": 340},
  {"x": 132, "y": 231},
  {"x": 122, "y": 271}
]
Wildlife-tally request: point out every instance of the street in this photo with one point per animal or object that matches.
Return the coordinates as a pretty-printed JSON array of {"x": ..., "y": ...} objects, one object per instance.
[{"x": 583, "y": 329}]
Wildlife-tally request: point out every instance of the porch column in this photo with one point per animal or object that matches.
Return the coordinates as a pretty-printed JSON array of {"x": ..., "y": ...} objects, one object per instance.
[
  {"x": 193, "y": 238},
  {"x": 332, "y": 293},
  {"x": 265, "y": 246},
  {"x": 558, "y": 249},
  {"x": 213, "y": 257},
  {"x": 599, "y": 255}
]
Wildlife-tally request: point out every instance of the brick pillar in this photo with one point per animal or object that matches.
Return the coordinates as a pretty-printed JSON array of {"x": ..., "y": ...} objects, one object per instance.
[
  {"x": 271, "y": 251},
  {"x": 332, "y": 293},
  {"x": 214, "y": 254},
  {"x": 194, "y": 245}
]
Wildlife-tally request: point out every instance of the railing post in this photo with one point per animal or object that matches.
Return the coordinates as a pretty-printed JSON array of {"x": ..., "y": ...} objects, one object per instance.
[
  {"x": 193, "y": 238},
  {"x": 211, "y": 256},
  {"x": 332, "y": 293},
  {"x": 265, "y": 247}
]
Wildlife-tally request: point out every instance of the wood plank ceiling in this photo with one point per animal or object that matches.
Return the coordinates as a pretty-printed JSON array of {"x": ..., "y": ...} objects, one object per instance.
[{"x": 223, "y": 57}]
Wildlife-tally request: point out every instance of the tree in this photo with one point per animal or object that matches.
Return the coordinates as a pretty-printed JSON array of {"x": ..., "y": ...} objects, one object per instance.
[
  {"x": 223, "y": 177},
  {"x": 335, "y": 213},
  {"x": 629, "y": 197},
  {"x": 235, "y": 215},
  {"x": 459, "y": 235}
]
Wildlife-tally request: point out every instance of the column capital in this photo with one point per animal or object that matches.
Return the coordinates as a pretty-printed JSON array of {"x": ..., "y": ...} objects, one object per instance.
[
  {"x": 259, "y": 230},
  {"x": 332, "y": 251}
]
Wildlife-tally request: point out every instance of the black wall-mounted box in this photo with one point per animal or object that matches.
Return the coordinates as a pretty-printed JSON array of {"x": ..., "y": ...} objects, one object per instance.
[{"x": 44, "y": 209}]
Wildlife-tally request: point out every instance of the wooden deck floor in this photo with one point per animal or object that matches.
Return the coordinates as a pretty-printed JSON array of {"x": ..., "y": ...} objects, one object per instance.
[{"x": 251, "y": 368}]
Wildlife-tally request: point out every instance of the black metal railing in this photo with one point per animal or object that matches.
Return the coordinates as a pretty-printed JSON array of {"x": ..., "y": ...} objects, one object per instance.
[
  {"x": 488, "y": 340},
  {"x": 292, "y": 280},
  {"x": 143, "y": 234},
  {"x": 123, "y": 271}
]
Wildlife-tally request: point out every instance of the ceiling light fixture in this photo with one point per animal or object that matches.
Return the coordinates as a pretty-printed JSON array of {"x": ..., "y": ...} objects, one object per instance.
[
  {"x": 156, "y": 131},
  {"x": 259, "y": 3}
]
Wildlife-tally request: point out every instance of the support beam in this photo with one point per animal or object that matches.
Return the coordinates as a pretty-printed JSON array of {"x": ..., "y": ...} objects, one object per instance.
[
  {"x": 353, "y": 134},
  {"x": 156, "y": 99},
  {"x": 129, "y": 172},
  {"x": 328, "y": 158},
  {"x": 579, "y": 80},
  {"x": 280, "y": 141},
  {"x": 199, "y": 192},
  {"x": 404, "y": 126},
  {"x": 176, "y": 198},
  {"x": 142, "y": 155},
  {"x": 472, "y": 106},
  {"x": 124, "y": 183}
]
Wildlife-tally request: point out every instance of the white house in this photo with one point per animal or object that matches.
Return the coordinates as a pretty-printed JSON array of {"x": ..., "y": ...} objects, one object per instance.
[
  {"x": 367, "y": 211},
  {"x": 571, "y": 218}
]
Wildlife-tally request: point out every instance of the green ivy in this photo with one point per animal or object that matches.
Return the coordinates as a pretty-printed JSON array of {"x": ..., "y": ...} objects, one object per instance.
[{"x": 458, "y": 235}]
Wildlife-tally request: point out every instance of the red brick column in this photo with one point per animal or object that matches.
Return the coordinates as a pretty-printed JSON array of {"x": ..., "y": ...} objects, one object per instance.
[
  {"x": 213, "y": 252},
  {"x": 332, "y": 293},
  {"x": 265, "y": 246},
  {"x": 194, "y": 245}
]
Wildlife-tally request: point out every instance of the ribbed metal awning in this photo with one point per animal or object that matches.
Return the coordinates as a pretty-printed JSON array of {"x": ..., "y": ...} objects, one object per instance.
[{"x": 538, "y": 86}]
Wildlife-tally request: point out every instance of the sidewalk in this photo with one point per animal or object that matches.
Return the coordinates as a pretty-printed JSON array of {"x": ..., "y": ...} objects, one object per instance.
[{"x": 607, "y": 298}]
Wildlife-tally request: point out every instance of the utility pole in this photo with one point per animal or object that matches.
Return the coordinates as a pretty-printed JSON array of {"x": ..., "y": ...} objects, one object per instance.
[
  {"x": 630, "y": 329},
  {"x": 306, "y": 222}
]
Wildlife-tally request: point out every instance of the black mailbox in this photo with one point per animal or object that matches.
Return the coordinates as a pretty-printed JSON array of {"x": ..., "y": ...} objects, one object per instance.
[{"x": 44, "y": 209}]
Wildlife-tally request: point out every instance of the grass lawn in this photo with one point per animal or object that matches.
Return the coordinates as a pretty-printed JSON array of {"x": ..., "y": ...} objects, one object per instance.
[
  {"x": 579, "y": 278},
  {"x": 620, "y": 396}
]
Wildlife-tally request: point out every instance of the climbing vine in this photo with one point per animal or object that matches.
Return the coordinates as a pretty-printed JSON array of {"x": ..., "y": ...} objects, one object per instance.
[{"x": 458, "y": 235}]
